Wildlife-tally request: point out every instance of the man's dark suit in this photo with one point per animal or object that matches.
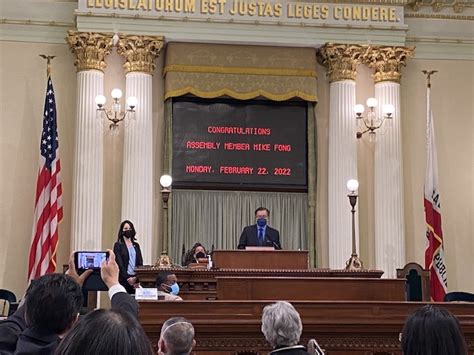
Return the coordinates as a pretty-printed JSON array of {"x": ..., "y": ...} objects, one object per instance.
[{"x": 249, "y": 238}]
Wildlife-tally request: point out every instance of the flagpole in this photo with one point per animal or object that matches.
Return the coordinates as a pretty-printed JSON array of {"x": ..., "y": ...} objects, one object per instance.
[{"x": 48, "y": 63}]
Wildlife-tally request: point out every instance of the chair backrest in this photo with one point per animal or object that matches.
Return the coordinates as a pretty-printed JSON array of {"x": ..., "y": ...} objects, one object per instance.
[
  {"x": 418, "y": 282},
  {"x": 7, "y": 295},
  {"x": 9, "y": 298},
  {"x": 459, "y": 297}
]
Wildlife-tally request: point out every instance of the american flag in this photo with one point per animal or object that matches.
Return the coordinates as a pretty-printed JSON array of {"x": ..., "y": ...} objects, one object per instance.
[{"x": 48, "y": 201}]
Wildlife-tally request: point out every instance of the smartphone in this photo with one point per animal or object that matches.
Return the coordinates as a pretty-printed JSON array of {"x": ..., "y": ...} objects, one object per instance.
[{"x": 84, "y": 260}]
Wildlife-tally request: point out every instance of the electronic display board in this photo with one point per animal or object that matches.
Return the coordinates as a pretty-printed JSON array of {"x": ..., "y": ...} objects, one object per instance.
[{"x": 239, "y": 144}]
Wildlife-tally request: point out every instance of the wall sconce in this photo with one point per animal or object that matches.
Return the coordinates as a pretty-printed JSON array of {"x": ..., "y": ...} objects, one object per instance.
[
  {"x": 115, "y": 115},
  {"x": 354, "y": 263},
  {"x": 165, "y": 182},
  {"x": 372, "y": 121}
]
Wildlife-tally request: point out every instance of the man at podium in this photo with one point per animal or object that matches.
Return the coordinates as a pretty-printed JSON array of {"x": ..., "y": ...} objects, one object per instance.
[{"x": 260, "y": 234}]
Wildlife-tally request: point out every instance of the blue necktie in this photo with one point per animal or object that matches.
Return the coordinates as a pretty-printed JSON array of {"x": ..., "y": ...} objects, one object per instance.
[{"x": 260, "y": 236}]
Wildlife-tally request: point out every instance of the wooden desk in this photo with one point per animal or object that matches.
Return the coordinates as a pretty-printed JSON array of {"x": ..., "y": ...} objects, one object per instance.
[
  {"x": 199, "y": 284},
  {"x": 310, "y": 289},
  {"x": 261, "y": 259},
  {"x": 342, "y": 328}
]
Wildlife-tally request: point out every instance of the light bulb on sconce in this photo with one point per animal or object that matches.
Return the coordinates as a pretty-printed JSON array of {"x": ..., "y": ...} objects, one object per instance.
[
  {"x": 371, "y": 122},
  {"x": 353, "y": 185},
  {"x": 115, "y": 115}
]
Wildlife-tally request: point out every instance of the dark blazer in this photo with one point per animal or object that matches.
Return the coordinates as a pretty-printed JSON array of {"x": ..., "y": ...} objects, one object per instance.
[
  {"x": 122, "y": 258},
  {"x": 16, "y": 338},
  {"x": 249, "y": 237}
]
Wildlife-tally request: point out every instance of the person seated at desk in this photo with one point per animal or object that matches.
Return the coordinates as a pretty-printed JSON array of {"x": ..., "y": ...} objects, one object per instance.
[
  {"x": 167, "y": 285},
  {"x": 260, "y": 234},
  {"x": 197, "y": 252}
]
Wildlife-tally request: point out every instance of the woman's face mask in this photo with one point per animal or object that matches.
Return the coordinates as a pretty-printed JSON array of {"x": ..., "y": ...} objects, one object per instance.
[
  {"x": 199, "y": 255},
  {"x": 174, "y": 289},
  {"x": 128, "y": 233}
]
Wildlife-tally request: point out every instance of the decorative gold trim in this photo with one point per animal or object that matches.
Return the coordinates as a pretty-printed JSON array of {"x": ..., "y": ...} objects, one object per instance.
[
  {"x": 387, "y": 61},
  {"x": 440, "y": 16},
  {"x": 90, "y": 49},
  {"x": 240, "y": 96},
  {"x": 341, "y": 60},
  {"x": 238, "y": 70},
  {"x": 140, "y": 52},
  {"x": 7, "y": 21},
  {"x": 438, "y": 5},
  {"x": 439, "y": 40}
]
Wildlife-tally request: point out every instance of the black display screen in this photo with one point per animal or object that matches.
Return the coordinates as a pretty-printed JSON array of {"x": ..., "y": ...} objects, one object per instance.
[{"x": 239, "y": 144}]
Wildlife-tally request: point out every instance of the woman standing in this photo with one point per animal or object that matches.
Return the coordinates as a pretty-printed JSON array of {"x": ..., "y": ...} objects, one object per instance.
[{"x": 128, "y": 256}]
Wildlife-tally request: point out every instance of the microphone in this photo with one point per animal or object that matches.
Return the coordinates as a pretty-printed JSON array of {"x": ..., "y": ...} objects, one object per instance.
[{"x": 275, "y": 245}]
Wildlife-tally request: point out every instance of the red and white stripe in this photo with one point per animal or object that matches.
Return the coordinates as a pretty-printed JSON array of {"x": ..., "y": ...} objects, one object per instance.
[{"x": 48, "y": 214}]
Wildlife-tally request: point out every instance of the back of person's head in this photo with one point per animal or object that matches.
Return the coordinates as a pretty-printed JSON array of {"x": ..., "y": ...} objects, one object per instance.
[
  {"x": 53, "y": 303},
  {"x": 432, "y": 330},
  {"x": 281, "y": 324},
  {"x": 177, "y": 337},
  {"x": 106, "y": 332}
]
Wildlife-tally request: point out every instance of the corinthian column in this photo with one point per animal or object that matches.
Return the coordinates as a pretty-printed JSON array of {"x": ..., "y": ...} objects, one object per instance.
[
  {"x": 90, "y": 50},
  {"x": 389, "y": 218},
  {"x": 341, "y": 61},
  {"x": 140, "y": 53}
]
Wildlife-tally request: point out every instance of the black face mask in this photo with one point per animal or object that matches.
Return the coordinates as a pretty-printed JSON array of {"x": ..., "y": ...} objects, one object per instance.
[
  {"x": 128, "y": 234},
  {"x": 200, "y": 255}
]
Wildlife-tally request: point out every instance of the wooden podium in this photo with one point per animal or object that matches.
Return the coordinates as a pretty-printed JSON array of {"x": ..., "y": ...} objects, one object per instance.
[{"x": 261, "y": 259}]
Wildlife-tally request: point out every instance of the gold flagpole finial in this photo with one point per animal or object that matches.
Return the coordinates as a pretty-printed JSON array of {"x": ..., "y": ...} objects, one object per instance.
[
  {"x": 48, "y": 62},
  {"x": 428, "y": 75}
]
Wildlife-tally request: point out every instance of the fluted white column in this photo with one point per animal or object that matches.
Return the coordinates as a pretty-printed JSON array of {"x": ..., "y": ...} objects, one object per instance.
[
  {"x": 140, "y": 53},
  {"x": 341, "y": 61},
  {"x": 342, "y": 166},
  {"x": 389, "y": 219},
  {"x": 137, "y": 188},
  {"x": 90, "y": 50},
  {"x": 87, "y": 197}
]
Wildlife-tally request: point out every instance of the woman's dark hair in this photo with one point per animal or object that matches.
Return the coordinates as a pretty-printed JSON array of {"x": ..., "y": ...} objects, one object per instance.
[
  {"x": 132, "y": 227},
  {"x": 433, "y": 331},
  {"x": 53, "y": 302},
  {"x": 106, "y": 332},
  {"x": 189, "y": 257}
]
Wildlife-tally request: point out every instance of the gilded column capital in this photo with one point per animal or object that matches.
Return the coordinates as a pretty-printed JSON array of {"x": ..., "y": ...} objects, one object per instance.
[
  {"x": 387, "y": 61},
  {"x": 341, "y": 60},
  {"x": 90, "y": 49},
  {"x": 140, "y": 52}
]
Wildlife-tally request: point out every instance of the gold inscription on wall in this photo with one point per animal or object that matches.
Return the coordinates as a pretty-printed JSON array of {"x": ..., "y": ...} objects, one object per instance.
[{"x": 248, "y": 9}]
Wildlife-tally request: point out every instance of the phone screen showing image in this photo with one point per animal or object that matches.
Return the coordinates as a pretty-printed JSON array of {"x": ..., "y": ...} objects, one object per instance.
[{"x": 90, "y": 259}]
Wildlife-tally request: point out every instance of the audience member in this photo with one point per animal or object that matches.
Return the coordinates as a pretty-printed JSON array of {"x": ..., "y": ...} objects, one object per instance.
[
  {"x": 433, "y": 330},
  {"x": 167, "y": 285},
  {"x": 177, "y": 337},
  {"x": 282, "y": 328},
  {"x": 197, "y": 252},
  {"x": 106, "y": 332},
  {"x": 52, "y": 307},
  {"x": 128, "y": 255}
]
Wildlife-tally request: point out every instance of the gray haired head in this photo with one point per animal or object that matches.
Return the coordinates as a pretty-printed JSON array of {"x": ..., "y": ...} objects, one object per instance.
[
  {"x": 281, "y": 324},
  {"x": 177, "y": 336}
]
